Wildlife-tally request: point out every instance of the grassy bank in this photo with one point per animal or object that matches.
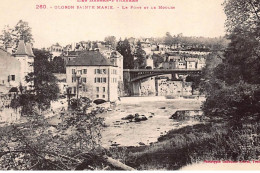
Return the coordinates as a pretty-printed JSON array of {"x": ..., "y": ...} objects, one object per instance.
[{"x": 211, "y": 141}]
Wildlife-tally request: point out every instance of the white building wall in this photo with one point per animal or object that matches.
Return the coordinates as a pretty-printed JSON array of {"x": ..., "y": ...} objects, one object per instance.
[
  {"x": 149, "y": 62},
  {"x": 94, "y": 90},
  {"x": 26, "y": 68},
  {"x": 191, "y": 65}
]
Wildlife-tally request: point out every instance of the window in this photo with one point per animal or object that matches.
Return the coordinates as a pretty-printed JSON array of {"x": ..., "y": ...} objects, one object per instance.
[
  {"x": 97, "y": 96},
  {"x": 84, "y": 79},
  {"x": 79, "y": 71},
  {"x": 104, "y": 96},
  {"x": 73, "y": 71},
  {"x": 84, "y": 71},
  {"x": 100, "y": 80},
  {"x": 97, "y": 89},
  {"x": 97, "y": 71},
  {"x": 113, "y": 71},
  {"x": 74, "y": 79},
  {"x": 104, "y": 71},
  {"x": 13, "y": 77},
  {"x": 74, "y": 90},
  {"x": 104, "y": 89}
]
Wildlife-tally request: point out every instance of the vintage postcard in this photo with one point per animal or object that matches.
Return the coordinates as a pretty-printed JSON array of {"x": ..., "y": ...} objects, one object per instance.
[{"x": 129, "y": 85}]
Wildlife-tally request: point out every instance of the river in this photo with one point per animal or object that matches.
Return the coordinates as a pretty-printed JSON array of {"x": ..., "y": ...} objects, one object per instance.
[{"x": 156, "y": 109}]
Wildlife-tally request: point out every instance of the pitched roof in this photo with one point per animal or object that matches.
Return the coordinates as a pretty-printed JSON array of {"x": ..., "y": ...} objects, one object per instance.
[
  {"x": 21, "y": 49},
  {"x": 90, "y": 58},
  {"x": 29, "y": 49},
  {"x": 24, "y": 49}
]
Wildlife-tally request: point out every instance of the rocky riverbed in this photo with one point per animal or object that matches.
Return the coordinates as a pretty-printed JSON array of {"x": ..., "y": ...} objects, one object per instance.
[{"x": 123, "y": 132}]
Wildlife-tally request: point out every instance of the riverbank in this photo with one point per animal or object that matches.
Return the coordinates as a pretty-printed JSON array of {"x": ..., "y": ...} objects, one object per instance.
[{"x": 212, "y": 141}]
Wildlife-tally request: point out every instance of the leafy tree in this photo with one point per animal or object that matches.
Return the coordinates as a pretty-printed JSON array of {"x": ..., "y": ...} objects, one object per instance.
[
  {"x": 168, "y": 39},
  {"x": 11, "y": 36},
  {"x": 111, "y": 40},
  {"x": 243, "y": 14},
  {"x": 58, "y": 65},
  {"x": 7, "y": 37},
  {"x": 141, "y": 55},
  {"x": 195, "y": 79},
  {"x": 24, "y": 31},
  {"x": 123, "y": 47},
  {"x": 157, "y": 59},
  {"x": 45, "y": 88},
  {"x": 233, "y": 91}
]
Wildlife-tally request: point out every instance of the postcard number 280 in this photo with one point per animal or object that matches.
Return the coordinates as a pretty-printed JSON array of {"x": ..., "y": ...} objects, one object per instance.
[{"x": 40, "y": 6}]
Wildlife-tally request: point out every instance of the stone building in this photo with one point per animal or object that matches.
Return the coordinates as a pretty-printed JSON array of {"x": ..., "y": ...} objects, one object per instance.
[
  {"x": 165, "y": 87},
  {"x": 55, "y": 50},
  {"x": 9, "y": 71},
  {"x": 25, "y": 56},
  {"x": 92, "y": 75}
]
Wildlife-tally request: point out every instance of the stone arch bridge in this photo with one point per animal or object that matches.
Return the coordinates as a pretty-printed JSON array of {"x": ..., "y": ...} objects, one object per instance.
[{"x": 134, "y": 75}]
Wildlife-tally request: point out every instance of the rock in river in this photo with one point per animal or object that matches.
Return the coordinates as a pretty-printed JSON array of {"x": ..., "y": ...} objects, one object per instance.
[
  {"x": 162, "y": 108},
  {"x": 139, "y": 118},
  {"x": 128, "y": 117}
]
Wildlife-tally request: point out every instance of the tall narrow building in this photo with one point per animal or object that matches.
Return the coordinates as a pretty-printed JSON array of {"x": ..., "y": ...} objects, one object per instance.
[{"x": 25, "y": 55}]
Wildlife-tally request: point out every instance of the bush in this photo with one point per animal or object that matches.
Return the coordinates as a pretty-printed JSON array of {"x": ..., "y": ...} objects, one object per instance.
[{"x": 235, "y": 103}]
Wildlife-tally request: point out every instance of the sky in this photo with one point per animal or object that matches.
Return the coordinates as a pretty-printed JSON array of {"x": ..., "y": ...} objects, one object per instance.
[{"x": 190, "y": 17}]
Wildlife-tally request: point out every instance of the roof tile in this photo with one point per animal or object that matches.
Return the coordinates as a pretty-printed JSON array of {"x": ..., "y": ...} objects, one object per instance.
[{"x": 90, "y": 58}]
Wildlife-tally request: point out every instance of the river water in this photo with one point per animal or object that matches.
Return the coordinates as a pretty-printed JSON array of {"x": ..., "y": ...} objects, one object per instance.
[{"x": 156, "y": 109}]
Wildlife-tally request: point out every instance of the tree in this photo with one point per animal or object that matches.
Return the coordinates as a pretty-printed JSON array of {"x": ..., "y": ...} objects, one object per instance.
[
  {"x": 11, "y": 36},
  {"x": 24, "y": 31},
  {"x": 7, "y": 37},
  {"x": 168, "y": 39},
  {"x": 157, "y": 60},
  {"x": 243, "y": 14},
  {"x": 58, "y": 65},
  {"x": 123, "y": 47},
  {"x": 234, "y": 87},
  {"x": 111, "y": 40},
  {"x": 141, "y": 55},
  {"x": 45, "y": 88}
]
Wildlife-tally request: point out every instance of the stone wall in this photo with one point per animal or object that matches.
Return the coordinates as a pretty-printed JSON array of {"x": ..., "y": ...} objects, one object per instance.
[{"x": 173, "y": 88}]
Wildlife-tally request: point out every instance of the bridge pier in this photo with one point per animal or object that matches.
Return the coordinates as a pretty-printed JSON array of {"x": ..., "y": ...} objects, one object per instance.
[{"x": 136, "y": 88}]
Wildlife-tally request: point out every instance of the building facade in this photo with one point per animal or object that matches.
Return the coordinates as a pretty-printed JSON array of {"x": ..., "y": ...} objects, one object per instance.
[
  {"x": 9, "y": 71},
  {"x": 25, "y": 56},
  {"x": 92, "y": 75}
]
